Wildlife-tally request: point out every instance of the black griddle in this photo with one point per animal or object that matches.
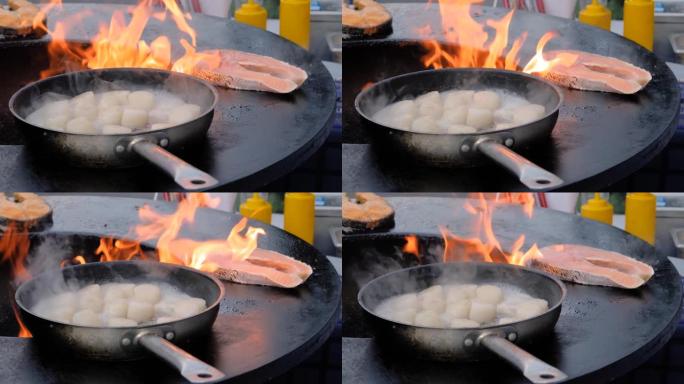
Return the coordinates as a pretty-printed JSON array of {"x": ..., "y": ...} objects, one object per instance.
[
  {"x": 602, "y": 332},
  {"x": 599, "y": 139},
  {"x": 260, "y": 332},
  {"x": 256, "y": 137}
]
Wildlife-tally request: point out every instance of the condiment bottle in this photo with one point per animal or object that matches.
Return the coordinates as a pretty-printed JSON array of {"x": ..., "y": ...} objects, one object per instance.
[
  {"x": 295, "y": 21},
  {"x": 595, "y": 14},
  {"x": 300, "y": 215},
  {"x": 252, "y": 13},
  {"x": 640, "y": 215},
  {"x": 598, "y": 209},
  {"x": 639, "y": 18},
  {"x": 257, "y": 208}
]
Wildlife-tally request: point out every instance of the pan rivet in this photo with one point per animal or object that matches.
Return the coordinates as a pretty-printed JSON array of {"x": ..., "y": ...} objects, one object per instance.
[
  {"x": 468, "y": 342},
  {"x": 512, "y": 336},
  {"x": 126, "y": 341},
  {"x": 120, "y": 148},
  {"x": 465, "y": 148},
  {"x": 164, "y": 142},
  {"x": 169, "y": 335},
  {"x": 508, "y": 142}
]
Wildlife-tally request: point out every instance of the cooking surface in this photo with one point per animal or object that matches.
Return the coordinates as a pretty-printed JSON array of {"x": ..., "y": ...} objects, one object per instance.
[
  {"x": 260, "y": 332},
  {"x": 602, "y": 332},
  {"x": 256, "y": 137},
  {"x": 599, "y": 139}
]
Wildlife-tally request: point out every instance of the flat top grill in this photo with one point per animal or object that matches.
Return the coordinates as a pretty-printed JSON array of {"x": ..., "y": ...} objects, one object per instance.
[
  {"x": 256, "y": 137},
  {"x": 260, "y": 332},
  {"x": 602, "y": 332},
  {"x": 599, "y": 139}
]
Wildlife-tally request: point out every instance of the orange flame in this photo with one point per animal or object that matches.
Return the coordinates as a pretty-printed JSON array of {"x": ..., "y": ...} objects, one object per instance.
[
  {"x": 411, "y": 246},
  {"x": 485, "y": 246},
  {"x": 468, "y": 44},
  {"x": 23, "y": 331},
  {"x": 14, "y": 248},
  {"x": 121, "y": 45}
]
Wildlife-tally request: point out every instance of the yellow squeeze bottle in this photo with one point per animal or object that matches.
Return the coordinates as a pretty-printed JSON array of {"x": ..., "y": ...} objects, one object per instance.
[
  {"x": 639, "y": 18},
  {"x": 640, "y": 215},
  {"x": 257, "y": 208},
  {"x": 295, "y": 21},
  {"x": 595, "y": 14},
  {"x": 598, "y": 209},
  {"x": 300, "y": 215},
  {"x": 252, "y": 13}
]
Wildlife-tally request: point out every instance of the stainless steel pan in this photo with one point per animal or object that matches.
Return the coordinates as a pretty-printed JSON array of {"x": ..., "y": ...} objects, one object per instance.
[
  {"x": 467, "y": 150},
  {"x": 466, "y": 344},
  {"x": 124, "y": 150},
  {"x": 121, "y": 343}
]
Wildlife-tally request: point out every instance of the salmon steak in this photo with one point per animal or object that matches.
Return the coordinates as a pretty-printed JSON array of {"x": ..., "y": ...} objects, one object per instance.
[
  {"x": 366, "y": 18},
  {"x": 248, "y": 71},
  {"x": 23, "y": 207},
  {"x": 591, "y": 72},
  {"x": 261, "y": 267},
  {"x": 366, "y": 211},
  {"x": 591, "y": 266}
]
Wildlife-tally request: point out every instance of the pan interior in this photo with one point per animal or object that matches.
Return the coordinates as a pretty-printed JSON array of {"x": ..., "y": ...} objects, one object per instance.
[
  {"x": 418, "y": 278},
  {"x": 412, "y": 85},
  {"x": 190, "y": 89}
]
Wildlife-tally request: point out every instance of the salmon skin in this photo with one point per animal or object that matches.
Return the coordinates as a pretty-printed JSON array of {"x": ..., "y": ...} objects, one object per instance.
[
  {"x": 366, "y": 18},
  {"x": 24, "y": 209},
  {"x": 261, "y": 267},
  {"x": 591, "y": 72},
  {"x": 592, "y": 266},
  {"x": 250, "y": 72},
  {"x": 366, "y": 211}
]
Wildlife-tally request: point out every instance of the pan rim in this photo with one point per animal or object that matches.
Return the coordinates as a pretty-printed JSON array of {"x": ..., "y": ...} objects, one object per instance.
[
  {"x": 556, "y": 109},
  {"x": 209, "y": 308},
  {"x": 117, "y": 69},
  {"x": 479, "y": 264}
]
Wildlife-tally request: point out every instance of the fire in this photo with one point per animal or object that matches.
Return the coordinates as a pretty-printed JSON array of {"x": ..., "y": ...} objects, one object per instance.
[
  {"x": 469, "y": 44},
  {"x": 411, "y": 246},
  {"x": 484, "y": 245},
  {"x": 14, "y": 248},
  {"x": 23, "y": 331},
  {"x": 120, "y": 44}
]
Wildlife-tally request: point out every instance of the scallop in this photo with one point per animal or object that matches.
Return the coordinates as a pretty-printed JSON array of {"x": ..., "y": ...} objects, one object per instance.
[
  {"x": 429, "y": 98},
  {"x": 141, "y": 100},
  {"x": 404, "y": 107},
  {"x": 457, "y": 115},
  {"x": 117, "y": 291},
  {"x": 460, "y": 129},
  {"x": 55, "y": 107},
  {"x": 479, "y": 118},
  {"x": 91, "y": 302},
  {"x": 434, "y": 292},
  {"x": 80, "y": 125},
  {"x": 184, "y": 113},
  {"x": 406, "y": 316},
  {"x": 482, "y": 312},
  {"x": 134, "y": 118},
  {"x": 164, "y": 308},
  {"x": 507, "y": 320},
  {"x": 489, "y": 294},
  {"x": 458, "y": 309},
  {"x": 147, "y": 293},
  {"x": 89, "y": 112},
  {"x": 486, "y": 100},
  {"x": 424, "y": 124},
  {"x": 453, "y": 99},
  {"x": 57, "y": 122},
  {"x": 436, "y": 304},
  {"x": 455, "y": 293},
  {"x": 463, "y": 323},
  {"x": 504, "y": 116},
  {"x": 113, "y": 129},
  {"x": 61, "y": 314},
  {"x": 408, "y": 300},
  {"x": 121, "y": 322},
  {"x": 140, "y": 311},
  {"x": 432, "y": 109},
  {"x": 529, "y": 113},
  {"x": 116, "y": 308},
  {"x": 112, "y": 98},
  {"x": 84, "y": 100},
  {"x": 157, "y": 126},
  {"x": 401, "y": 122},
  {"x": 86, "y": 318},
  {"x": 158, "y": 116},
  {"x": 428, "y": 319},
  {"x": 531, "y": 308},
  {"x": 189, "y": 307}
]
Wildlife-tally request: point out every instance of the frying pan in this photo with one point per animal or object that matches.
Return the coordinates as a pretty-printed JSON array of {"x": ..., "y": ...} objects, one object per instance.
[
  {"x": 469, "y": 344},
  {"x": 466, "y": 150},
  {"x": 123, "y": 150},
  {"x": 127, "y": 343}
]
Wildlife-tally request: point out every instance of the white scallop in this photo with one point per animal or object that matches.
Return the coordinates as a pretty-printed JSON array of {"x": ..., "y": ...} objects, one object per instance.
[
  {"x": 507, "y": 320},
  {"x": 166, "y": 319},
  {"x": 141, "y": 100},
  {"x": 140, "y": 311},
  {"x": 164, "y": 308},
  {"x": 408, "y": 300},
  {"x": 89, "y": 112},
  {"x": 529, "y": 113},
  {"x": 116, "y": 308},
  {"x": 436, "y": 304},
  {"x": 85, "y": 99},
  {"x": 489, "y": 294},
  {"x": 430, "y": 97},
  {"x": 111, "y": 98},
  {"x": 424, "y": 124},
  {"x": 432, "y": 109},
  {"x": 80, "y": 125},
  {"x": 479, "y": 118},
  {"x": 428, "y": 319},
  {"x": 111, "y": 115},
  {"x": 92, "y": 302},
  {"x": 189, "y": 307},
  {"x": 457, "y": 115},
  {"x": 401, "y": 122},
  {"x": 453, "y": 99},
  {"x": 458, "y": 309},
  {"x": 57, "y": 122},
  {"x": 463, "y": 323},
  {"x": 504, "y": 116},
  {"x": 404, "y": 107},
  {"x": 121, "y": 322},
  {"x": 482, "y": 312},
  {"x": 406, "y": 316},
  {"x": 134, "y": 118},
  {"x": 157, "y": 126},
  {"x": 184, "y": 113},
  {"x": 455, "y": 293},
  {"x": 486, "y": 100},
  {"x": 148, "y": 293},
  {"x": 158, "y": 116},
  {"x": 86, "y": 318},
  {"x": 434, "y": 292},
  {"x": 460, "y": 129},
  {"x": 531, "y": 308},
  {"x": 113, "y": 129}
]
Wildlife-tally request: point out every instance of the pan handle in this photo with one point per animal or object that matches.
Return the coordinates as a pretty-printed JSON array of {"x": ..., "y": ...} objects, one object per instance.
[
  {"x": 184, "y": 174},
  {"x": 532, "y": 368},
  {"x": 194, "y": 370},
  {"x": 530, "y": 174}
]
